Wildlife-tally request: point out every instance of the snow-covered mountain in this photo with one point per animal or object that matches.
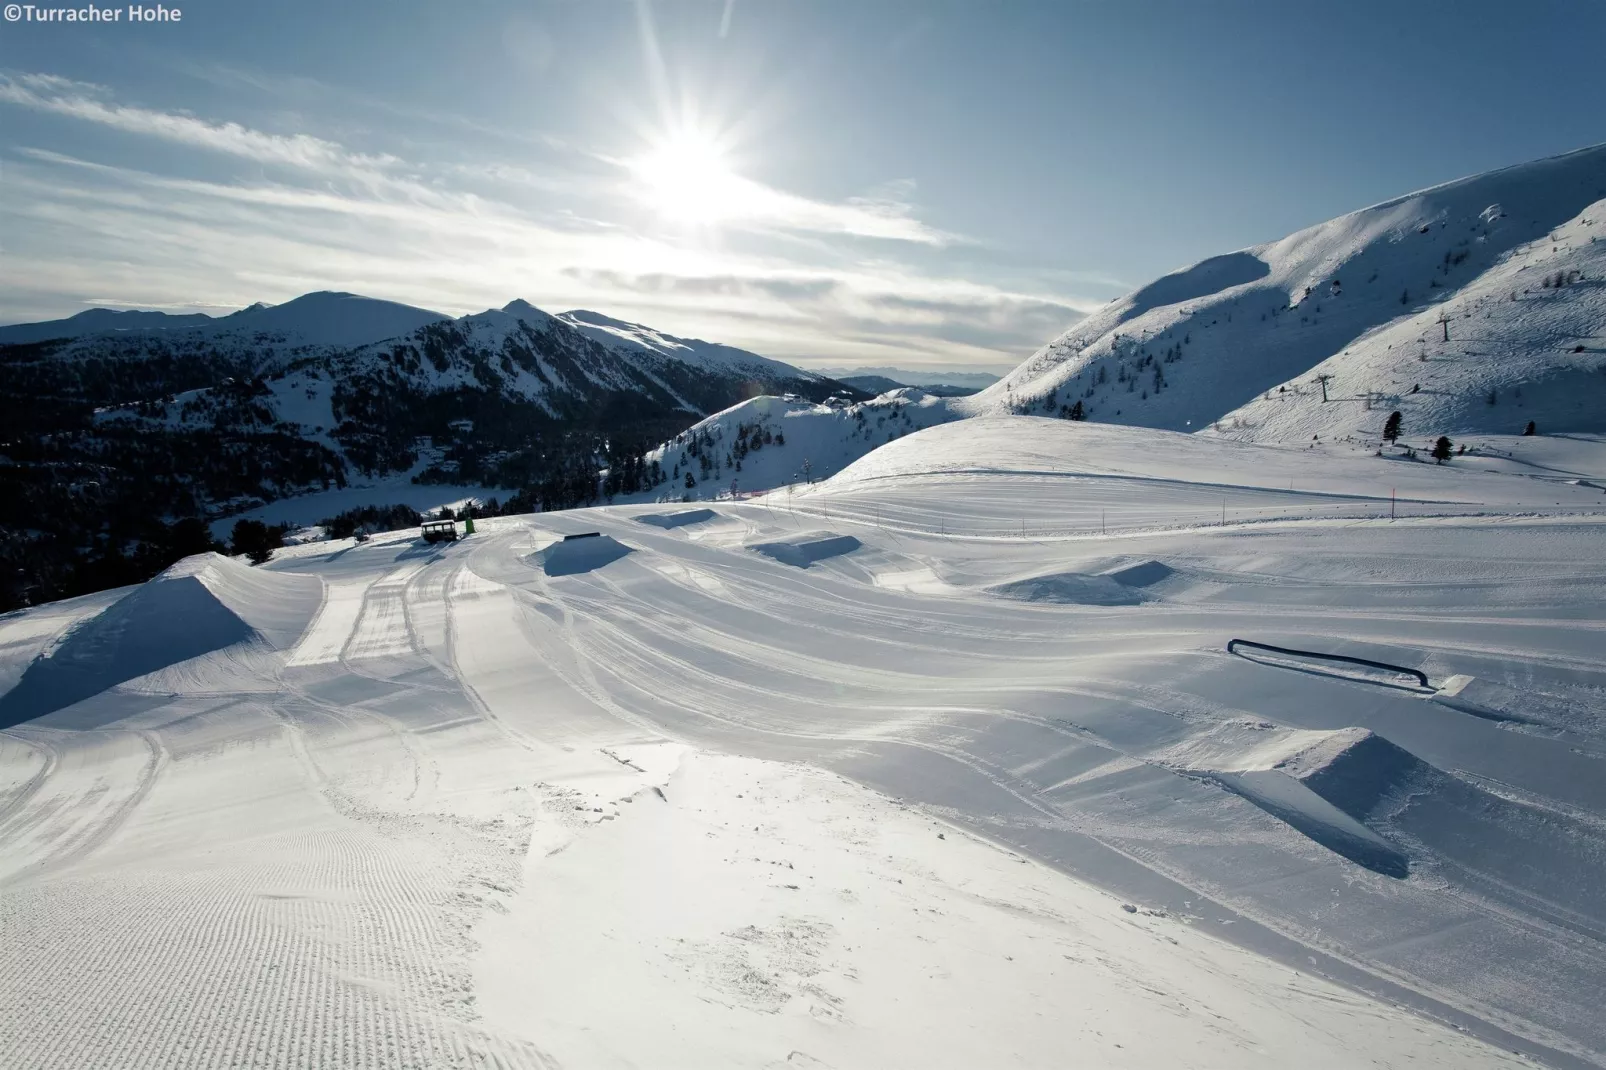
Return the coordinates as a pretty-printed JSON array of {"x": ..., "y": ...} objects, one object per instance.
[
  {"x": 769, "y": 442},
  {"x": 262, "y": 337},
  {"x": 1523, "y": 341},
  {"x": 485, "y": 383},
  {"x": 1359, "y": 298},
  {"x": 650, "y": 348},
  {"x": 98, "y": 321}
]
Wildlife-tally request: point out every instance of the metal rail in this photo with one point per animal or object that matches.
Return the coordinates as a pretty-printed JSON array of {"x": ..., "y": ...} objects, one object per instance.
[{"x": 1422, "y": 677}]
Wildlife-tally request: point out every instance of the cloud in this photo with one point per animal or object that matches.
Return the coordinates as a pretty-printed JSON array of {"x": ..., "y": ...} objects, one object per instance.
[
  {"x": 317, "y": 215},
  {"x": 88, "y": 102},
  {"x": 889, "y": 308}
]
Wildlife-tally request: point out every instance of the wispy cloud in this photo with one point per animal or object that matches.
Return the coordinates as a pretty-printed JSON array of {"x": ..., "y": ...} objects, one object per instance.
[{"x": 91, "y": 103}]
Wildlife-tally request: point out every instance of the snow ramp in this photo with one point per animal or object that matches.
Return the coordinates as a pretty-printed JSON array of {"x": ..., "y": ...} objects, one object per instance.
[
  {"x": 576, "y": 554},
  {"x": 677, "y": 520},
  {"x": 803, "y": 552},
  {"x": 1329, "y": 786},
  {"x": 1383, "y": 807},
  {"x": 1068, "y": 588},
  {"x": 201, "y": 605}
]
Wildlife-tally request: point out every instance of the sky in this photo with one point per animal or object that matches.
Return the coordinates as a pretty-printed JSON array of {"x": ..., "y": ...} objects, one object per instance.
[{"x": 914, "y": 184}]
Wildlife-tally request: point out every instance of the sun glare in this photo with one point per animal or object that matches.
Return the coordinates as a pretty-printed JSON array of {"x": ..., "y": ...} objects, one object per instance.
[{"x": 687, "y": 180}]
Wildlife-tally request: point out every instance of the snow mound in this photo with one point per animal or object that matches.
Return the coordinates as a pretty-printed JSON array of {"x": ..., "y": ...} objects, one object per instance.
[
  {"x": 1141, "y": 574},
  {"x": 806, "y": 551},
  {"x": 574, "y": 555},
  {"x": 1069, "y": 588},
  {"x": 201, "y": 605},
  {"x": 678, "y": 520}
]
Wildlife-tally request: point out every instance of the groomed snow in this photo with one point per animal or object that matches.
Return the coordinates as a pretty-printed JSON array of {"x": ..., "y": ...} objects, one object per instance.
[{"x": 803, "y": 781}]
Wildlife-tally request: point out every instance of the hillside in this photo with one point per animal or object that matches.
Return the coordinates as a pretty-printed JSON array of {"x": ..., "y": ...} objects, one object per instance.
[
  {"x": 1197, "y": 345},
  {"x": 769, "y": 442},
  {"x": 1524, "y": 341}
]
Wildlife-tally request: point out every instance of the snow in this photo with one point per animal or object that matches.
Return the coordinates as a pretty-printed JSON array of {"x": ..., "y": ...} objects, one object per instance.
[
  {"x": 812, "y": 779},
  {"x": 809, "y": 441},
  {"x": 332, "y": 319},
  {"x": 398, "y": 489},
  {"x": 1539, "y": 351},
  {"x": 1238, "y": 338},
  {"x": 638, "y": 340},
  {"x": 324, "y": 320}
]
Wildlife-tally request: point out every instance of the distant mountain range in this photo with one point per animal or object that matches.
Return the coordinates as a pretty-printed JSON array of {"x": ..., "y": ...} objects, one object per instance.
[
  {"x": 120, "y": 424},
  {"x": 350, "y": 370},
  {"x": 317, "y": 319},
  {"x": 925, "y": 378}
]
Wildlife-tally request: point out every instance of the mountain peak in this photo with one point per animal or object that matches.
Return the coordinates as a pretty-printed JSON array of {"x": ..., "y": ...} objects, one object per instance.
[{"x": 522, "y": 309}]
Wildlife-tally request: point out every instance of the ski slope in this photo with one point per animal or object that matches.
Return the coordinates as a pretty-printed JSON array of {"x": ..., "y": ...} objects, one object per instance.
[
  {"x": 940, "y": 762},
  {"x": 1238, "y": 338}
]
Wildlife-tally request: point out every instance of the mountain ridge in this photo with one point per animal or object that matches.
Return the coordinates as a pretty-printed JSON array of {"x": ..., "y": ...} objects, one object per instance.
[{"x": 1193, "y": 346}]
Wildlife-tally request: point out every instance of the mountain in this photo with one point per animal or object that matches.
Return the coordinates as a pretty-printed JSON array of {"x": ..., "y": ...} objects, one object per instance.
[
  {"x": 880, "y": 384},
  {"x": 324, "y": 319},
  {"x": 654, "y": 346},
  {"x": 98, "y": 321},
  {"x": 496, "y": 375},
  {"x": 117, "y": 437},
  {"x": 769, "y": 442},
  {"x": 924, "y": 378},
  {"x": 872, "y": 384},
  {"x": 327, "y": 318},
  {"x": 1359, "y": 298}
]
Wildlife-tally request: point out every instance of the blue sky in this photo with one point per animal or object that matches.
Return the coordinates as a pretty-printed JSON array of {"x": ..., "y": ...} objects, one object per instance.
[{"x": 830, "y": 183}]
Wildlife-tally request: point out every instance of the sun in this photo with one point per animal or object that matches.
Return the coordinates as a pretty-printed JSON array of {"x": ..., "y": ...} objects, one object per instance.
[{"x": 686, "y": 178}]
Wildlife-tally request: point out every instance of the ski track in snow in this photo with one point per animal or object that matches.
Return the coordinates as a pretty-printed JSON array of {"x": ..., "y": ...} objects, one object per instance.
[{"x": 492, "y": 805}]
